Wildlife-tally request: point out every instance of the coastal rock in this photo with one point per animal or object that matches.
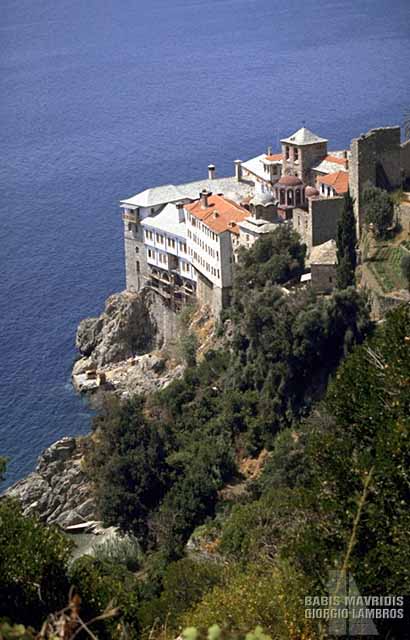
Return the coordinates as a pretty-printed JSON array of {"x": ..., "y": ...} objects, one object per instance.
[
  {"x": 58, "y": 491},
  {"x": 125, "y": 328},
  {"x": 87, "y": 334}
]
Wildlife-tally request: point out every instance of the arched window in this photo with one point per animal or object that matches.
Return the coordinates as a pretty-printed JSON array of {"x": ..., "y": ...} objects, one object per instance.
[
  {"x": 297, "y": 196},
  {"x": 282, "y": 196},
  {"x": 296, "y": 154},
  {"x": 287, "y": 153}
]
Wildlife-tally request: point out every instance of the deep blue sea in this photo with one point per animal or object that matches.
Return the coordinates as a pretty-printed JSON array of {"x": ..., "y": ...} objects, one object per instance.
[{"x": 100, "y": 99}]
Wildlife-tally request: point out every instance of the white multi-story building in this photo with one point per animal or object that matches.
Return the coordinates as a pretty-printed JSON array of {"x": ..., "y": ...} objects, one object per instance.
[
  {"x": 212, "y": 240},
  {"x": 150, "y": 203},
  {"x": 166, "y": 251}
]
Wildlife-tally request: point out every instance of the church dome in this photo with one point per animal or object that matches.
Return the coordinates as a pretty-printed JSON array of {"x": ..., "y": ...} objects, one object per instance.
[
  {"x": 261, "y": 198},
  {"x": 311, "y": 192},
  {"x": 290, "y": 181}
]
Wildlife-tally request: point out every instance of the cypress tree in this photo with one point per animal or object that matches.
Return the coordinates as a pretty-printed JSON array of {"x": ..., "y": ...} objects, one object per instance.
[{"x": 346, "y": 245}]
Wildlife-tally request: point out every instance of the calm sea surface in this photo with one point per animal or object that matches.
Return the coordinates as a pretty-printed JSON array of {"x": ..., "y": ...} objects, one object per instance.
[{"x": 101, "y": 99}]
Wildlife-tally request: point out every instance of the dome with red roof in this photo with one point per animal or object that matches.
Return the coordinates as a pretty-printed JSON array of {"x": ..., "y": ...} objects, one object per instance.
[{"x": 290, "y": 181}]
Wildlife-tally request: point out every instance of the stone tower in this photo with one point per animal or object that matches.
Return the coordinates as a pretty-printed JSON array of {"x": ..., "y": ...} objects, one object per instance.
[
  {"x": 136, "y": 267},
  {"x": 375, "y": 161},
  {"x": 302, "y": 151}
]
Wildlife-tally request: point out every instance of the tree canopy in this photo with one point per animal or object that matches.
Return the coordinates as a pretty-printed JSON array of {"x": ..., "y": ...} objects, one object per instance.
[
  {"x": 379, "y": 210},
  {"x": 346, "y": 245}
]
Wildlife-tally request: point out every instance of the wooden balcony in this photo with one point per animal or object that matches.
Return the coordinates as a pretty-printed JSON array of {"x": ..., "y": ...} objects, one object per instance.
[{"x": 130, "y": 217}]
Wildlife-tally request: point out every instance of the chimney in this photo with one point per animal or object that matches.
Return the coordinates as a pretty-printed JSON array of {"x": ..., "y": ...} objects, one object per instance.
[
  {"x": 269, "y": 151},
  {"x": 181, "y": 214},
  {"x": 211, "y": 171},
  {"x": 238, "y": 170},
  {"x": 204, "y": 195},
  {"x": 346, "y": 159}
]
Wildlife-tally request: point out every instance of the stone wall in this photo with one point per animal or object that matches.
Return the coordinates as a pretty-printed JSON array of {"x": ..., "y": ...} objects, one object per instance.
[
  {"x": 215, "y": 297},
  {"x": 323, "y": 277},
  {"x": 375, "y": 161},
  {"x": 325, "y": 214},
  {"x": 405, "y": 162},
  {"x": 163, "y": 317}
]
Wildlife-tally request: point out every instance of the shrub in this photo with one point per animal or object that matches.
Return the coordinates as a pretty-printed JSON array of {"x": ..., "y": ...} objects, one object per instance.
[{"x": 33, "y": 561}]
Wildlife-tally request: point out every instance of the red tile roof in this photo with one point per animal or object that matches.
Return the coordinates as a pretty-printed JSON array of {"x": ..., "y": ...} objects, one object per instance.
[
  {"x": 275, "y": 157},
  {"x": 339, "y": 181},
  {"x": 220, "y": 215},
  {"x": 336, "y": 159}
]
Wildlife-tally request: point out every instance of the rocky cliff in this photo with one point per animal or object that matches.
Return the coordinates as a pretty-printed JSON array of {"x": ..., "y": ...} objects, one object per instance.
[
  {"x": 58, "y": 491},
  {"x": 132, "y": 347}
]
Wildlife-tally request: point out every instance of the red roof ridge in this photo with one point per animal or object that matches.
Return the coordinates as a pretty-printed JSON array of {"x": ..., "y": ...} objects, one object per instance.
[{"x": 335, "y": 159}]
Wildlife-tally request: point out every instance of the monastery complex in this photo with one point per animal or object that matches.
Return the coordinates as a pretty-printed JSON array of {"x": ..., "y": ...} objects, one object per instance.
[{"x": 182, "y": 240}]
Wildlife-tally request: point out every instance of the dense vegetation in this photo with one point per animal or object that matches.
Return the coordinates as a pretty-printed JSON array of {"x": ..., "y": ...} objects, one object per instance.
[
  {"x": 303, "y": 383},
  {"x": 379, "y": 210}
]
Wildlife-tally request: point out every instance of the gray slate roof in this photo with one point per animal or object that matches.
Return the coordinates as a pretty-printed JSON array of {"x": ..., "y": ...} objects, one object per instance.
[
  {"x": 303, "y": 137},
  {"x": 155, "y": 196},
  {"x": 164, "y": 194},
  {"x": 230, "y": 188}
]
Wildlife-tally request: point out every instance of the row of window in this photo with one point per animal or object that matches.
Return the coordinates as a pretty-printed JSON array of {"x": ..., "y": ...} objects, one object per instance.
[
  {"x": 209, "y": 250},
  {"x": 202, "y": 227},
  {"x": 163, "y": 259},
  {"x": 215, "y": 272},
  {"x": 288, "y": 197},
  {"x": 161, "y": 239}
]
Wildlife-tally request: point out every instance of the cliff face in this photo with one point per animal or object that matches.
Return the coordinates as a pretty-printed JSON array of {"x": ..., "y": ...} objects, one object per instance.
[
  {"x": 58, "y": 491},
  {"x": 125, "y": 328},
  {"x": 124, "y": 349}
]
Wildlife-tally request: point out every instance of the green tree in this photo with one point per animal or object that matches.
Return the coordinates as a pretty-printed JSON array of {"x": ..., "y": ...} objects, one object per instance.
[
  {"x": 379, "y": 210},
  {"x": 189, "y": 347},
  {"x": 127, "y": 462},
  {"x": 405, "y": 269},
  {"x": 184, "y": 584},
  {"x": 346, "y": 245},
  {"x": 367, "y": 444},
  {"x": 105, "y": 585},
  {"x": 275, "y": 258},
  {"x": 33, "y": 561}
]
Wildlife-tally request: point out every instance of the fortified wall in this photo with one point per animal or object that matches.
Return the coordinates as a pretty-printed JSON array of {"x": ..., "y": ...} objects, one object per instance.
[
  {"x": 319, "y": 223},
  {"x": 375, "y": 161},
  {"x": 405, "y": 163}
]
